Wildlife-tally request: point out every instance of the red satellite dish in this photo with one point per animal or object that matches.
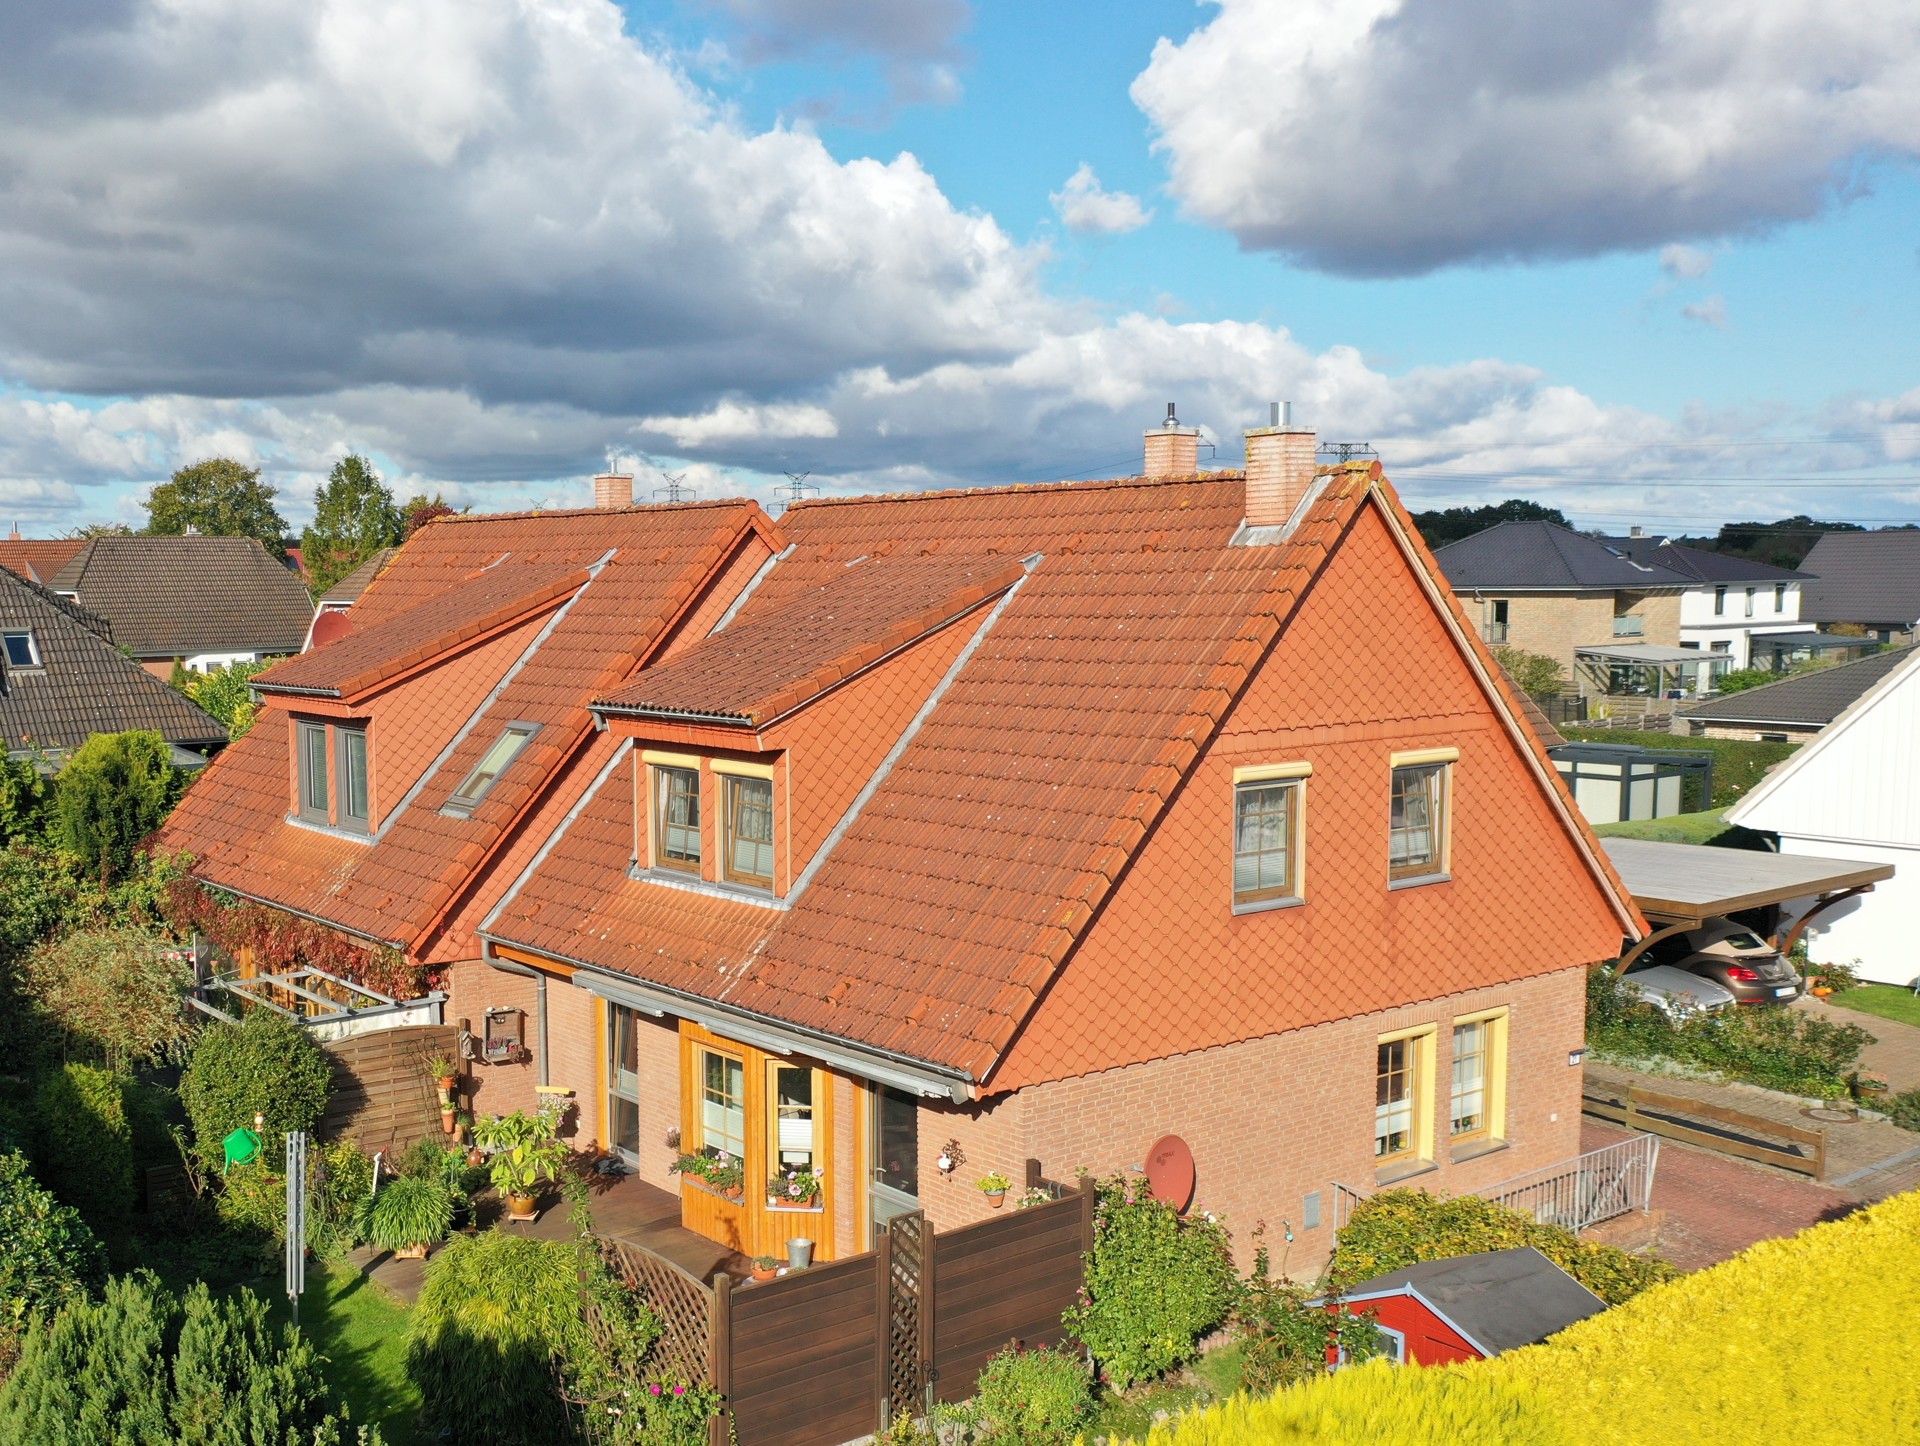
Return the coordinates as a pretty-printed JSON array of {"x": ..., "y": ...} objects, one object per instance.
[
  {"x": 1170, "y": 1172},
  {"x": 330, "y": 627}
]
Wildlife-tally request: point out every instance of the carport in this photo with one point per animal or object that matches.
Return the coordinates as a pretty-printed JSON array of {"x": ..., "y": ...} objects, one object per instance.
[{"x": 1681, "y": 886}]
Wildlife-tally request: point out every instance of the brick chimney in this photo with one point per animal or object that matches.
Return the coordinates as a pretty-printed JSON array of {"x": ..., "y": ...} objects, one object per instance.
[
  {"x": 1172, "y": 450},
  {"x": 1280, "y": 465},
  {"x": 613, "y": 489}
]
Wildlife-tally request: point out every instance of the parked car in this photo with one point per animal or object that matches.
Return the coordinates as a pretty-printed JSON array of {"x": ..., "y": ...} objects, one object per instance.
[
  {"x": 1734, "y": 957},
  {"x": 1676, "y": 991}
]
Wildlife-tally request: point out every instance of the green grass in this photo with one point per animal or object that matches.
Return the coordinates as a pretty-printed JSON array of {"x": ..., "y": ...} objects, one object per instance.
[
  {"x": 1709, "y": 827},
  {"x": 1737, "y": 763},
  {"x": 1888, "y": 1001},
  {"x": 1214, "y": 1377},
  {"x": 362, "y": 1331}
]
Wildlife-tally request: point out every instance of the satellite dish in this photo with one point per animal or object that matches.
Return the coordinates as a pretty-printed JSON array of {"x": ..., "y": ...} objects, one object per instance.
[
  {"x": 330, "y": 627},
  {"x": 1170, "y": 1172}
]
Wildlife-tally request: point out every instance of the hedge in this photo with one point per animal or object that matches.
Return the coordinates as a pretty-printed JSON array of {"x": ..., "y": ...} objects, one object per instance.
[
  {"x": 1763, "y": 1348},
  {"x": 47, "y": 1255},
  {"x": 83, "y": 1145},
  {"x": 267, "y": 1064}
]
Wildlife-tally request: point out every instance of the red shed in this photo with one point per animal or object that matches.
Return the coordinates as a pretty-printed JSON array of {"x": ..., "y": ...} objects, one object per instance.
[{"x": 1468, "y": 1307}]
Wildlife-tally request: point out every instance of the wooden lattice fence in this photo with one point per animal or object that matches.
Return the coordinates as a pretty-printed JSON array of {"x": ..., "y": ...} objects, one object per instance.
[{"x": 683, "y": 1305}]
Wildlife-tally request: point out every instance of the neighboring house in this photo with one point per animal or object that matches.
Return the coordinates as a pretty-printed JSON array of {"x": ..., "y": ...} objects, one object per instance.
[
  {"x": 1793, "y": 709},
  {"x": 1866, "y": 579},
  {"x": 1042, "y": 821},
  {"x": 37, "y": 559},
  {"x": 206, "y": 601},
  {"x": 346, "y": 592},
  {"x": 1854, "y": 793},
  {"x": 1611, "y": 621},
  {"x": 62, "y": 680},
  {"x": 1469, "y": 1307},
  {"x": 1748, "y": 611}
]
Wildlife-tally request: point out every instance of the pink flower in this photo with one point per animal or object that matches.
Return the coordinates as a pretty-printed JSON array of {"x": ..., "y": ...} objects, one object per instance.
[
  {"x": 679, "y": 1390},
  {"x": 654, "y": 1389}
]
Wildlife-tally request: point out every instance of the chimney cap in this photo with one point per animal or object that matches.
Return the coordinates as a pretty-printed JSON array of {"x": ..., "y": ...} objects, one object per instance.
[{"x": 1279, "y": 419}]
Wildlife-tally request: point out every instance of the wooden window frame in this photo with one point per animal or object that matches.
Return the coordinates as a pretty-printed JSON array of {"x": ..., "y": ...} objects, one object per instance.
[
  {"x": 701, "y": 1053},
  {"x": 474, "y": 787},
  {"x": 303, "y": 730},
  {"x": 1493, "y": 1082},
  {"x": 1442, "y": 761},
  {"x": 660, "y": 778},
  {"x": 814, "y": 1114},
  {"x": 1419, "y": 1039},
  {"x": 1291, "y": 778},
  {"x": 730, "y": 784}
]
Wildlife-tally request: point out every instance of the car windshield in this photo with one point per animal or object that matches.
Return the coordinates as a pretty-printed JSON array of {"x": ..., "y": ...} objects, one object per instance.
[{"x": 1745, "y": 942}]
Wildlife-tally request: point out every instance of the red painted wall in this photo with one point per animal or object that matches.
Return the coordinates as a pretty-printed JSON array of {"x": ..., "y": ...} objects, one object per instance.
[{"x": 1430, "y": 1340}]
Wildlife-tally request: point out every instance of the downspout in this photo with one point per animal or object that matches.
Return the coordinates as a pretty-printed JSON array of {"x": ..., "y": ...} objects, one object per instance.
[{"x": 527, "y": 971}]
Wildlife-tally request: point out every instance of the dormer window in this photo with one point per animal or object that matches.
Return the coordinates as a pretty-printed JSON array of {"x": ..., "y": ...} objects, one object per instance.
[
  {"x": 22, "y": 650},
  {"x": 333, "y": 780},
  {"x": 492, "y": 764},
  {"x": 747, "y": 815},
  {"x": 676, "y": 835}
]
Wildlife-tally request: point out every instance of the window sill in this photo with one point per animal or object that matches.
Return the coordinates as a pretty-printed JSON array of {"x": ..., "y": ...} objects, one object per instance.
[
  {"x": 1417, "y": 880},
  {"x": 713, "y": 888},
  {"x": 1402, "y": 1170},
  {"x": 779, "y": 1209},
  {"x": 694, "y": 1182},
  {"x": 354, "y": 835},
  {"x": 1261, "y": 906},
  {"x": 1473, "y": 1149}
]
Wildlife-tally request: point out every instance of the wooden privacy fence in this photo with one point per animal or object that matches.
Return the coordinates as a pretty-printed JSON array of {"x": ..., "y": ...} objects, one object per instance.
[
  {"x": 382, "y": 1096},
  {"x": 1716, "y": 1127},
  {"x": 825, "y": 1355}
]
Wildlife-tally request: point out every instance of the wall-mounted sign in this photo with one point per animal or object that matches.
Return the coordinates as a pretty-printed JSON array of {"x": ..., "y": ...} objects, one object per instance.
[{"x": 1170, "y": 1171}]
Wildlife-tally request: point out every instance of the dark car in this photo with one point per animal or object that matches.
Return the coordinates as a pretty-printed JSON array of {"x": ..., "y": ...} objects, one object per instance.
[{"x": 1734, "y": 957}]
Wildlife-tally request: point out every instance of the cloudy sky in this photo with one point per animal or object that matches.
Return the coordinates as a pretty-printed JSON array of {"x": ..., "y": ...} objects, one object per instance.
[{"x": 1653, "y": 260}]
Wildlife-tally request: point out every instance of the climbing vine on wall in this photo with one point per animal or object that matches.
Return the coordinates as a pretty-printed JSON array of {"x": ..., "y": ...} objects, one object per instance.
[{"x": 280, "y": 940}]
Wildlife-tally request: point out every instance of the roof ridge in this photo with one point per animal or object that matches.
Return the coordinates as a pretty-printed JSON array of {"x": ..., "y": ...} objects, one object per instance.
[
  {"x": 1230, "y": 474},
  {"x": 638, "y": 507},
  {"x": 88, "y": 619}
]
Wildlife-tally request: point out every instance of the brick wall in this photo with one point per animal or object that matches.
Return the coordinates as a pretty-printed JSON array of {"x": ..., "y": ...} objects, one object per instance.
[{"x": 1272, "y": 1120}]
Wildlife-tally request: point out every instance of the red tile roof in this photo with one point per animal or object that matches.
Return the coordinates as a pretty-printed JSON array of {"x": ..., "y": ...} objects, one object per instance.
[
  {"x": 471, "y": 610},
  {"x": 776, "y": 656},
  {"x": 37, "y": 559},
  {"x": 943, "y": 914},
  {"x": 420, "y": 863}
]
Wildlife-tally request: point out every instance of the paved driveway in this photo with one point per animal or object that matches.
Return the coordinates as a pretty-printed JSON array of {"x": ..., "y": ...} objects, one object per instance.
[{"x": 1895, "y": 1053}]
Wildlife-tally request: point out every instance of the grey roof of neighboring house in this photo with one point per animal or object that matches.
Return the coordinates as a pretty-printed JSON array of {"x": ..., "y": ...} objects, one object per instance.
[
  {"x": 85, "y": 684},
  {"x": 1863, "y": 577},
  {"x": 173, "y": 597},
  {"x": 1700, "y": 564},
  {"x": 346, "y": 592},
  {"x": 1545, "y": 557},
  {"x": 1810, "y": 700},
  {"x": 1498, "y": 1299}
]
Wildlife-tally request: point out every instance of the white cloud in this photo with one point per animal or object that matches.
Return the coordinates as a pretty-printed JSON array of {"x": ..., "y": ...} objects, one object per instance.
[
  {"x": 1389, "y": 137},
  {"x": 734, "y": 421},
  {"x": 1681, "y": 262},
  {"x": 916, "y": 40},
  {"x": 1088, "y": 208},
  {"x": 1710, "y": 311}
]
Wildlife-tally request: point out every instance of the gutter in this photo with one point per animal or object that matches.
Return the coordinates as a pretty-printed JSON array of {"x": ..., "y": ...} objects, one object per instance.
[{"x": 526, "y": 971}]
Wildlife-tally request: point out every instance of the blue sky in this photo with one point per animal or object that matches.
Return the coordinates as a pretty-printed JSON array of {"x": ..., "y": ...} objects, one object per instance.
[{"x": 1581, "y": 272}]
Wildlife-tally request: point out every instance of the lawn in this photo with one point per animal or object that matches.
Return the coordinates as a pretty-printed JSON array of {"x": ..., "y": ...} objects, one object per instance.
[
  {"x": 1214, "y": 1377},
  {"x": 362, "y": 1331},
  {"x": 1688, "y": 828},
  {"x": 1888, "y": 1001}
]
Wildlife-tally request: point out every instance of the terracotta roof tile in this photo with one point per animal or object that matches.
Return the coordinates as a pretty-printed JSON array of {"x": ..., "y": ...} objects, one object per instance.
[{"x": 38, "y": 559}]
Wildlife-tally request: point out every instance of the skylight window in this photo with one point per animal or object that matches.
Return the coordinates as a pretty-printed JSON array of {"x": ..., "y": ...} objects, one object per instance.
[
  {"x": 495, "y": 762},
  {"x": 22, "y": 651}
]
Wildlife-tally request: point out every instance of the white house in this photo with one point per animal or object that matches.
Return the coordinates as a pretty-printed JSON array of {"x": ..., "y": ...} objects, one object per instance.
[
  {"x": 1732, "y": 601},
  {"x": 1854, "y": 792}
]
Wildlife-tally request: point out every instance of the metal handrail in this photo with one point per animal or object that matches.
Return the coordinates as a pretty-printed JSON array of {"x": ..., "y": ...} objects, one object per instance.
[{"x": 1578, "y": 1193}]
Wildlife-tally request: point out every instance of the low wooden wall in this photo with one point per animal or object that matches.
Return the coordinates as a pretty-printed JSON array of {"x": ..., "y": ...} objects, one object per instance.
[
  {"x": 803, "y": 1356},
  {"x": 1714, "y": 1127},
  {"x": 382, "y": 1096}
]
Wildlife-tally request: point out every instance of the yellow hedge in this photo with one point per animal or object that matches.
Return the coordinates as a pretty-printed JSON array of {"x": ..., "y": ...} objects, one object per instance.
[{"x": 1811, "y": 1341}]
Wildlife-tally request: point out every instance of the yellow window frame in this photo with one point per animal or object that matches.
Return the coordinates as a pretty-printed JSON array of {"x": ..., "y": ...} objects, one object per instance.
[
  {"x": 1493, "y": 1085},
  {"x": 1419, "y": 1039}
]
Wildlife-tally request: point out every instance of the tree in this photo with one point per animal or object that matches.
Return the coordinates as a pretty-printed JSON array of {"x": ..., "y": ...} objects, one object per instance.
[
  {"x": 224, "y": 693},
  {"x": 1785, "y": 543},
  {"x": 89, "y": 530},
  {"x": 419, "y": 510},
  {"x": 1453, "y": 523},
  {"x": 114, "y": 791},
  {"x": 353, "y": 518},
  {"x": 117, "y": 992},
  {"x": 1738, "y": 680},
  {"x": 267, "y": 1064},
  {"x": 47, "y": 1255},
  {"x": 144, "y": 1367},
  {"x": 221, "y": 498},
  {"x": 1535, "y": 674}
]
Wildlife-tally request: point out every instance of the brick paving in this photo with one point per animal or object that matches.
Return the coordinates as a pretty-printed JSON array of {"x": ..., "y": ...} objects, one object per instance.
[{"x": 1895, "y": 1053}]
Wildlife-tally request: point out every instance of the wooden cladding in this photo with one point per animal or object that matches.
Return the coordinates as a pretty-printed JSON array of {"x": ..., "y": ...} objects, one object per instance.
[{"x": 382, "y": 1096}]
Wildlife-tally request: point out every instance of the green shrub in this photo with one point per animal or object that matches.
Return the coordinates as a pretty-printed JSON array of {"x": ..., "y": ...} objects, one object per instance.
[
  {"x": 116, "y": 993},
  {"x": 1284, "y": 1340},
  {"x": 1903, "y": 1109},
  {"x": 1033, "y": 1398},
  {"x": 1779, "y": 1048},
  {"x": 250, "y": 1201},
  {"x": 1738, "y": 680},
  {"x": 406, "y": 1212},
  {"x": 267, "y": 1064},
  {"x": 143, "y": 1367},
  {"x": 1156, "y": 1283},
  {"x": 224, "y": 692},
  {"x": 1398, "y": 1228},
  {"x": 114, "y": 790},
  {"x": 83, "y": 1146},
  {"x": 498, "y": 1315},
  {"x": 341, "y": 1176},
  {"x": 48, "y": 1256},
  {"x": 26, "y": 797}
]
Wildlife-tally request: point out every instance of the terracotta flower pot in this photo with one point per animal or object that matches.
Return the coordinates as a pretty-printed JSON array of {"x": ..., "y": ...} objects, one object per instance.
[
  {"x": 736, "y": 1192},
  {"x": 412, "y": 1252},
  {"x": 446, "y": 1121},
  {"x": 770, "y": 1273},
  {"x": 520, "y": 1207},
  {"x": 996, "y": 1198},
  {"x": 448, "y": 1081}
]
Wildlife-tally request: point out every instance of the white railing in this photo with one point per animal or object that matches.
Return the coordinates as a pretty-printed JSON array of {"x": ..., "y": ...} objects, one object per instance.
[{"x": 1583, "y": 1191}]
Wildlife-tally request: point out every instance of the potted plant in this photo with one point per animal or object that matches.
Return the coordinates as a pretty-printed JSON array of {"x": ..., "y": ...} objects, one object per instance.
[
  {"x": 765, "y": 1267},
  {"x": 994, "y": 1186},
  {"x": 794, "y": 1190},
  {"x": 449, "y": 1116},
  {"x": 525, "y": 1152},
  {"x": 721, "y": 1171},
  {"x": 445, "y": 1072},
  {"x": 407, "y": 1216}
]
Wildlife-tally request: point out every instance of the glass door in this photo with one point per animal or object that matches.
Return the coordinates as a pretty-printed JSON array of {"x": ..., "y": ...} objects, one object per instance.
[
  {"x": 623, "y": 1083},
  {"x": 894, "y": 1145}
]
